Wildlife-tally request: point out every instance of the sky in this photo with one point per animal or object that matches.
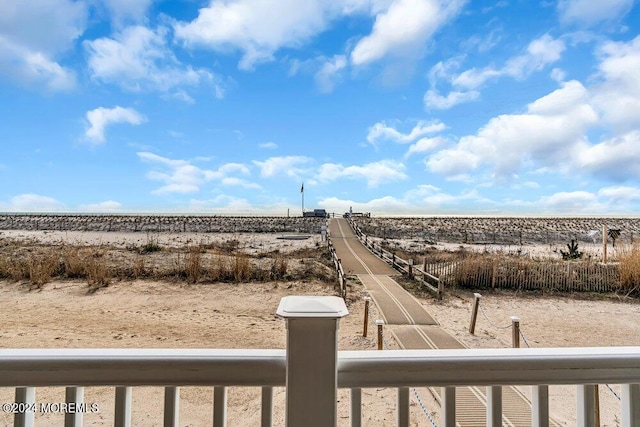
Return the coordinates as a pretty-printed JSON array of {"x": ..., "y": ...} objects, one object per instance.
[{"x": 394, "y": 107}]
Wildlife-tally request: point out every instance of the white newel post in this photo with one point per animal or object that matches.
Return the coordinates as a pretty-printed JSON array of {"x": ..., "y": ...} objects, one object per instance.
[{"x": 312, "y": 352}]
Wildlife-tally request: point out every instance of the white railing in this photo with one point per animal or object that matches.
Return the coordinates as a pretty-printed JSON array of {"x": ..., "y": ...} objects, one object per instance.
[{"x": 311, "y": 392}]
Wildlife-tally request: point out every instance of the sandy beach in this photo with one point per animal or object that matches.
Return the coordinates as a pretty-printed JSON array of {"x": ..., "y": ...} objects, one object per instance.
[{"x": 160, "y": 314}]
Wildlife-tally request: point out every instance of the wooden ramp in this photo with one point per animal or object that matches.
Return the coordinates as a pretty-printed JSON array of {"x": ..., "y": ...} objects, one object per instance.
[{"x": 414, "y": 328}]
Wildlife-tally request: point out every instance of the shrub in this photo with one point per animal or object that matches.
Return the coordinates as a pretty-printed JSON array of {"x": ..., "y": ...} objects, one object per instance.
[
  {"x": 629, "y": 258},
  {"x": 193, "y": 264},
  {"x": 573, "y": 252}
]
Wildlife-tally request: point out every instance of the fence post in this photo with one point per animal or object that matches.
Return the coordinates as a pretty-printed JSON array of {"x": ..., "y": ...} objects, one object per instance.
[
  {"x": 367, "y": 300},
  {"x": 379, "y": 324},
  {"x": 604, "y": 244},
  {"x": 474, "y": 311},
  {"x": 312, "y": 352},
  {"x": 515, "y": 331}
]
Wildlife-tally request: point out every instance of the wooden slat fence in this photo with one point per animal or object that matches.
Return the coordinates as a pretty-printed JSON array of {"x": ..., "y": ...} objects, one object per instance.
[{"x": 508, "y": 273}]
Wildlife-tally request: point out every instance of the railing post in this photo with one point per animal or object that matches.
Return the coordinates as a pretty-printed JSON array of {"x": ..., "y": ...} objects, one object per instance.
[
  {"x": 630, "y": 405},
  {"x": 367, "y": 300},
  {"x": 410, "y": 268},
  {"x": 356, "y": 407},
  {"x": 312, "y": 352},
  {"x": 380, "y": 324},
  {"x": 515, "y": 331},
  {"x": 267, "y": 407},
  {"x": 448, "y": 403},
  {"x": 25, "y": 395},
  {"x": 171, "y": 406},
  {"x": 586, "y": 405},
  {"x": 540, "y": 406},
  {"x": 74, "y": 395},
  {"x": 403, "y": 407},
  {"x": 474, "y": 313},
  {"x": 494, "y": 406},
  {"x": 123, "y": 407}
]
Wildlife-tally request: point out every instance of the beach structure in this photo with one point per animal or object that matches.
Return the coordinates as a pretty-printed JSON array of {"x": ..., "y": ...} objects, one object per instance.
[{"x": 312, "y": 370}]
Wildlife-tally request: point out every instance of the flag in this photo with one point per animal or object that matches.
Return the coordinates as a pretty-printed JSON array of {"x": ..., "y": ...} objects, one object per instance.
[{"x": 302, "y": 188}]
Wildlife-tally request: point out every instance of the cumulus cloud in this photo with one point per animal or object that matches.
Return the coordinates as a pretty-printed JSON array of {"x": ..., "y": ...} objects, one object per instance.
[
  {"x": 433, "y": 100},
  {"x": 572, "y": 202},
  {"x": 241, "y": 25},
  {"x": 288, "y": 165},
  {"x": 181, "y": 176},
  {"x": 539, "y": 53},
  {"x": 122, "y": 11},
  {"x": 617, "y": 95},
  {"x": 329, "y": 74},
  {"x": 404, "y": 28},
  {"x": 107, "y": 206},
  {"x": 423, "y": 199},
  {"x": 138, "y": 58},
  {"x": 374, "y": 173},
  {"x": 616, "y": 158},
  {"x": 31, "y": 39},
  {"x": 424, "y": 145},
  {"x": 589, "y": 12},
  {"x": 550, "y": 132},
  {"x": 268, "y": 145},
  {"x": 620, "y": 194},
  {"x": 100, "y": 118},
  {"x": 381, "y": 131},
  {"x": 31, "y": 202}
]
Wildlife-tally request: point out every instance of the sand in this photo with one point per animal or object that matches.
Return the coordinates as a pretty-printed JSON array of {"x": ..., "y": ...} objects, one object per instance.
[{"x": 145, "y": 314}]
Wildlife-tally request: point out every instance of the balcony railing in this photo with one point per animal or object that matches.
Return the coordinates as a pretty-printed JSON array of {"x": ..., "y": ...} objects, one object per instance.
[{"x": 311, "y": 392}]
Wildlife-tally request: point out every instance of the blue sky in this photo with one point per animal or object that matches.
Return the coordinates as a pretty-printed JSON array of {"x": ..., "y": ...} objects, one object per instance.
[{"x": 406, "y": 107}]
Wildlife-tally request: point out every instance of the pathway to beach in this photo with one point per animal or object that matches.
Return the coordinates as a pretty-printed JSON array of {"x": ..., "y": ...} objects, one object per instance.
[{"x": 414, "y": 328}]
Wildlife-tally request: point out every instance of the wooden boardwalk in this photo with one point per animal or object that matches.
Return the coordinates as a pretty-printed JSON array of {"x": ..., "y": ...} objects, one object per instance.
[{"x": 414, "y": 328}]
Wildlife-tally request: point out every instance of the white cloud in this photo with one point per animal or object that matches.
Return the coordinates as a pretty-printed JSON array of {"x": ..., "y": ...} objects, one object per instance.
[
  {"x": 423, "y": 199},
  {"x": 383, "y": 132},
  {"x": 239, "y": 182},
  {"x": 374, "y": 173},
  {"x": 572, "y": 202},
  {"x": 620, "y": 194},
  {"x": 540, "y": 53},
  {"x": 34, "y": 203},
  {"x": 404, "y": 28},
  {"x": 617, "y": 96},
  {"x": 181, "y": 176},
  {"x": 107, "y": 206},
  {"x": 287, "y": 165},
  {"x": 329, "y": 74},
  {"x": 432, "y": 99},
  {"x": 548, "y": 134},
  {"x": 138, "y": 58},
  {"x": 255, "y": 27},
  {"x": 126, "y": 10},
  {"x": 424, "y": 145},
  {"x": 32, "y": 37},
  {"x": 590, "y": 12},
  {"x": 268, "y": 145},
  {"x": 48, "y": 27},
  {"x": 102, "y": 117},
  {"x": 616, "y": 159}
]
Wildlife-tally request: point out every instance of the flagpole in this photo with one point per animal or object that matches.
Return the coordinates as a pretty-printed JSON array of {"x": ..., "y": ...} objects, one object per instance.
[{"x": 302, "y": 192}]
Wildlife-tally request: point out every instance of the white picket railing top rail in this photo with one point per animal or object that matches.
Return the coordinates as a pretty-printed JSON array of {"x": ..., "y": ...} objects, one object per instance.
[
  {"x": 140, "y": 367},
  {"x": 388, "y": 368}
]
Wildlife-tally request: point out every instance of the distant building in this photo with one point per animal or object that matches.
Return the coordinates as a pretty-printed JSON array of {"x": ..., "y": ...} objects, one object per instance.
[{"x": 316, "y": 213}]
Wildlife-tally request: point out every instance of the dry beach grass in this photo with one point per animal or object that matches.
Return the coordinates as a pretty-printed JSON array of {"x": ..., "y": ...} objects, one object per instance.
[{"x": 221, "y": 290}]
